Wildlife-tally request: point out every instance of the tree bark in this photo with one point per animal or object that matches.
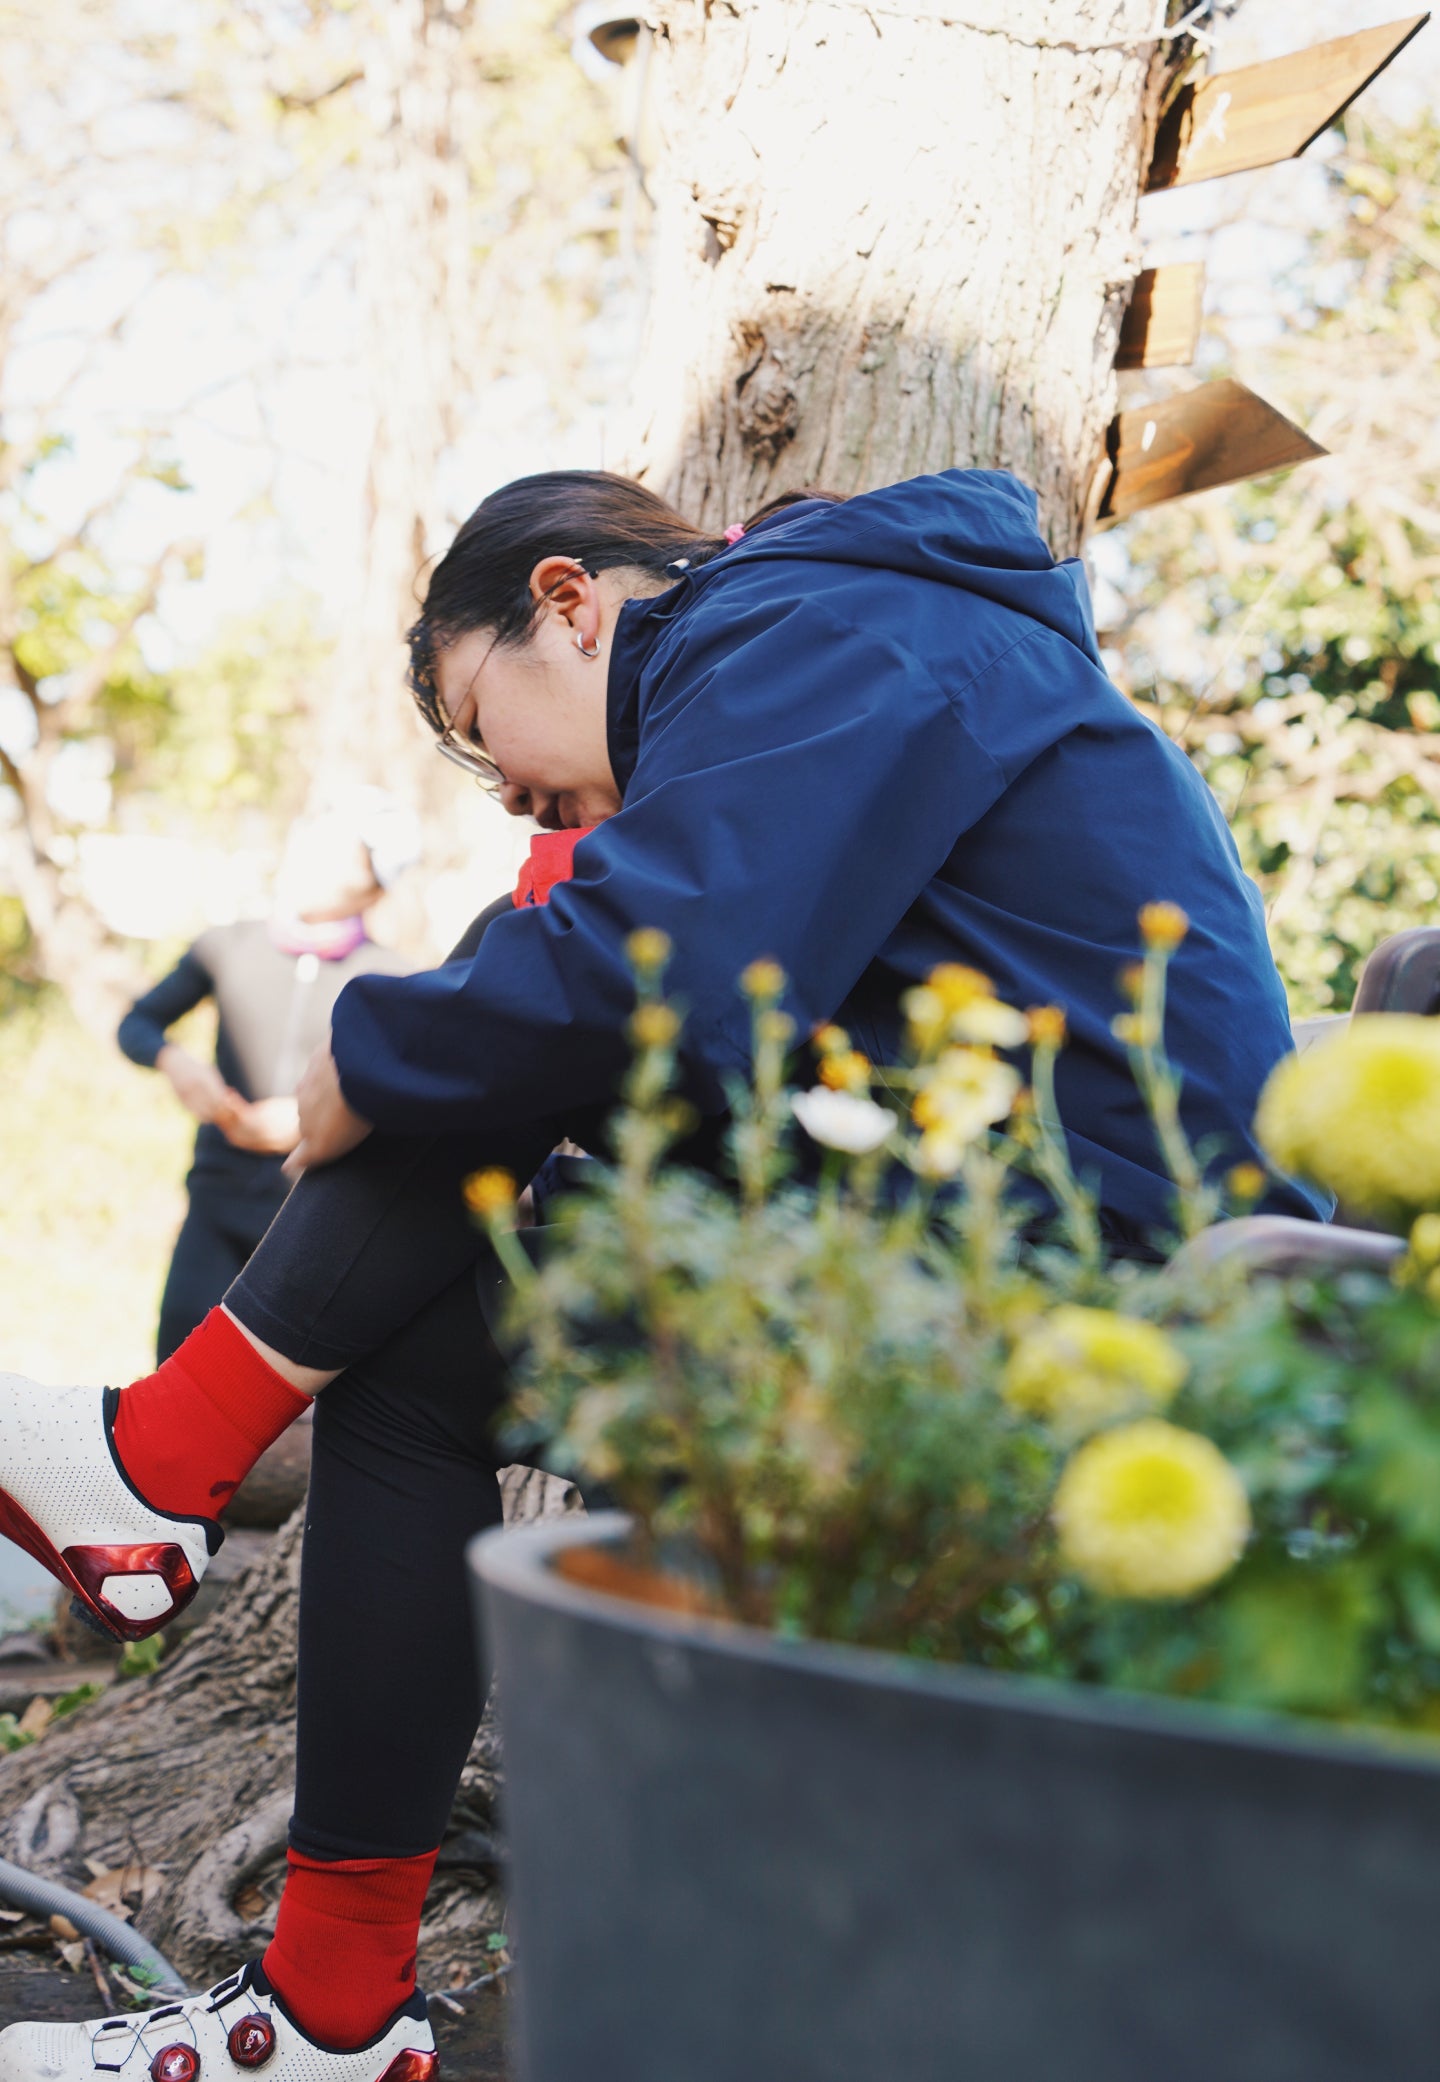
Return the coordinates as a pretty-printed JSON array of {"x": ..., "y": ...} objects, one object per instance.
[{"x": 889, "y": 244}]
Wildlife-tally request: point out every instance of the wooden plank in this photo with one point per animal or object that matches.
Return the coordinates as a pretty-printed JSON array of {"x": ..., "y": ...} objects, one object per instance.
[
  {"x": 1162, "y": 324},
  {"x": 616, "y": 39},
  {"x": 1216, "y": 434},
  {"x": 1260, "y": 113}
]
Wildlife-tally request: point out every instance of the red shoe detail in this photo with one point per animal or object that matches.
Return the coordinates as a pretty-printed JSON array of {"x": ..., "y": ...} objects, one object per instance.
[
  {"x": 83, "y": 1570},
  {"x": 413, "y": 2067},
  {"x": 251, "y": 2041},
  {"x": 175, "y": 2064}
]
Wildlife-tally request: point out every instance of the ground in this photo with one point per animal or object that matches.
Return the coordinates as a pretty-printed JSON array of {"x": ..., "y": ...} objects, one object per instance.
[{"x": 471, "y": 2045}]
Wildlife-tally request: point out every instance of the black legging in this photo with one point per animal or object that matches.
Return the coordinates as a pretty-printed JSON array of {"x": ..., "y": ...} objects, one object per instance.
[
  {"x": 403, "y": 1474},
  {"x": 374, "y": 1265}
]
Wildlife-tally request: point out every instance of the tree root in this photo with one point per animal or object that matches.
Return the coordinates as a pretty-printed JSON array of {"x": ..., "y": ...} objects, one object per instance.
[{"x": 192, "y": 1771}]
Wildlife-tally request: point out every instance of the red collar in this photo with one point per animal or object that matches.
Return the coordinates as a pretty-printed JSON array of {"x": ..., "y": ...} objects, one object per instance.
[{"x": 552, "y": 860}]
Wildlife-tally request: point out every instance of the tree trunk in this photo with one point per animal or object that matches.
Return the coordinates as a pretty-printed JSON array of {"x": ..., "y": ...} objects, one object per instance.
[{"x": 887, "y": 244}]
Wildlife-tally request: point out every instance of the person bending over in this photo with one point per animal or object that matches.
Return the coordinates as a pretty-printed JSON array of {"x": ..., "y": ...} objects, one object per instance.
[{"x": 863, "y": 738}]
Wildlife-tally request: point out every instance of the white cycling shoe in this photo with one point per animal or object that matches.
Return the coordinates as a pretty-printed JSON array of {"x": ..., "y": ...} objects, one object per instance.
[
  {"x": 65, "y": 1498},
  {"x": 239, "y": 2026}
]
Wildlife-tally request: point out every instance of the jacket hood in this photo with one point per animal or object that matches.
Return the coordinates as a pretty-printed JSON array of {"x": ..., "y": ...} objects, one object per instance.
[{"x": 975, "y": 530}]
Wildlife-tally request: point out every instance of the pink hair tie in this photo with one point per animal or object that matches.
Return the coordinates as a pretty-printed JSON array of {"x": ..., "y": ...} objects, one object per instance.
[{"x": 735, "y": 530}]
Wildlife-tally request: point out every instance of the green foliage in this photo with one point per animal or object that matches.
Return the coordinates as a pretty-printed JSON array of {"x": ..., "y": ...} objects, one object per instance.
[
  {"x": 869, "y": 1408},
  {"x": 71, "y": 1702},
  {"x": 1288, "y": 632},
  {"x": 236, "y": 721},
  {"x": 142, "y": 1658},
  {"x": 94, "y": 1154}
]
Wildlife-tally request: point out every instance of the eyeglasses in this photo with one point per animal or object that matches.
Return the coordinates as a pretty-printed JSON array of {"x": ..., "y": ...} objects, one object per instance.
[{"x": 470, "y": 759}]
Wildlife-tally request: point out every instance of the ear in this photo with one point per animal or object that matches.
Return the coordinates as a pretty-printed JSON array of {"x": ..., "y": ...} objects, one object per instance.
[
  {"x": 568, "y": 589},
  {"x": 564, "y": 583}
]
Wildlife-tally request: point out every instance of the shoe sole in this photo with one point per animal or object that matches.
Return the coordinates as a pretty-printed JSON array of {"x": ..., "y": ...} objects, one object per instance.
[{"x": 82, "y": 1570}]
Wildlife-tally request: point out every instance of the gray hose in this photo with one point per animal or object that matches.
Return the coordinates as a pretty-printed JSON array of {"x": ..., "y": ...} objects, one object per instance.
[{"x": 43, "y": 1898}]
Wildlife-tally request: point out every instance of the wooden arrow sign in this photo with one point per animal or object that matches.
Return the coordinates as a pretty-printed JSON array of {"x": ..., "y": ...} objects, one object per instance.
[
  {"x": 1216, "y": 434},
  {"x": 616, "y": 38},
  {"x": 1237, "y": 120},
  {"x": 1162, "y": 324}
]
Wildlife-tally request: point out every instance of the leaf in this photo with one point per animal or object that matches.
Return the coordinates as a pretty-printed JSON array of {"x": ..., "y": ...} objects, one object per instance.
[
  {"x": 1396, "y": 1471},
  {"x": 1296, "y": 1637},
  {"x": 142, "y": 1658},
  {"x": 125, "y": 1888},
  {"x": 1420, "y": 1596},
  {"x": 36, "y": 1718},
  {"x": 71, "y": 1702}
]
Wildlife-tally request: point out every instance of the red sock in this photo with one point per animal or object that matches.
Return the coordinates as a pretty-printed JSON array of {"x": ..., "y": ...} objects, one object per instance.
[
  {"x": 342, "y": 1959},
  {"x": 188, "y": 1435}
]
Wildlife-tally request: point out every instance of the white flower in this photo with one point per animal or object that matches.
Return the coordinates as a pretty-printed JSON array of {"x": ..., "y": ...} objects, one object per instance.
[
  {"x": 990, "y": 1023},
  {"x": 842, "y": 1120}
]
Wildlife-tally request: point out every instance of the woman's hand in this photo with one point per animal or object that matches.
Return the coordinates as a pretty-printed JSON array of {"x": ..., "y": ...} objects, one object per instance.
[
  {"x": 328, "y": 1126},
  {"x": 198, "y": 1086},
  {"x": 269, "y": 1127}
]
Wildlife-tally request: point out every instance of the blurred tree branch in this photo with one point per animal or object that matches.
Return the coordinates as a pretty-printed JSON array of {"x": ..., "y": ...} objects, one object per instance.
[{"x": 1288, "y": 634}]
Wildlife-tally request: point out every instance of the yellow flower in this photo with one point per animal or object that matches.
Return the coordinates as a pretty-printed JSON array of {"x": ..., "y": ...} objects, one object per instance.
[
  {"x": 1150, "y": 1511},
  {"x": 654, "y": 1026},
  {"x": 1132, "y": 981},
  {"x": 967, "y": 1091},
  {"x": 1246, "y": 1181},
  {"x": 956, "y": 986},
  {"x": 849, "y": 1072},
  {"x": 489, "y": 1194},
  {"x": 1425, "y": 1242},
  {"x": 1047, "y": 1026},
  {"x": 1082, "y": 1367},
  {"x": 1163, "y": 926},
  {"x": 648, "y": 948},
  {"x": 1361, "y": 1114},
  {"x": 763, "y": 979},
  {"x": 830, "y": 1039}
]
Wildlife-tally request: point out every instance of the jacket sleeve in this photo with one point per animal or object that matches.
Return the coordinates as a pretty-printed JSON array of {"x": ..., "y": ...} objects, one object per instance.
[
  {"x": 800, "y": 781},
  {"x": 141, "y": 1033}
]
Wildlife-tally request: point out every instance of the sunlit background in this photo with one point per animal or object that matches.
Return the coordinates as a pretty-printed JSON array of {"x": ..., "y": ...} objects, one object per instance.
[{"x": 288, "y": 288}]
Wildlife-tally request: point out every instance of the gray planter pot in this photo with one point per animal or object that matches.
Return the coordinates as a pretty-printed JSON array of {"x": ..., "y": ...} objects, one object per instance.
[{"x": 736, "y": 1859}]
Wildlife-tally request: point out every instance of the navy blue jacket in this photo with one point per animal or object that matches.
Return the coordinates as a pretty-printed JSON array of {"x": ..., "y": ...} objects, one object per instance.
[{"x": 868, "y": 738}]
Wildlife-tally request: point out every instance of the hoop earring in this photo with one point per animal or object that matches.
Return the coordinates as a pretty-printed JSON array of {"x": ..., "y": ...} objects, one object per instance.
[{"x": 580, "y": 646}]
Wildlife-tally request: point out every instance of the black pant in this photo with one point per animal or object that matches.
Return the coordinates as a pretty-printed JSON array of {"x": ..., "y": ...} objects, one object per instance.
[
  {"x": 220, "y": 1230},
  {"x": 403, "y": 1474},
  {"x": 375, "y": 1265}
]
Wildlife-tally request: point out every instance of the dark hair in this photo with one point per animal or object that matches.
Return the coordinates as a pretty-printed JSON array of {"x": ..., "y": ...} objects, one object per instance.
[{"x": 604, "y": 522}]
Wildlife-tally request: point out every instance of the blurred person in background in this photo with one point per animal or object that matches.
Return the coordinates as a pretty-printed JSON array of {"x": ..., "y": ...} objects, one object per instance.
[{"x": 274, "y": 982}]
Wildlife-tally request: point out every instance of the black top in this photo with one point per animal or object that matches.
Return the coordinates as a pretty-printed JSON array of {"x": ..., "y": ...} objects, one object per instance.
[{"x": 274, "y": 1011}]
